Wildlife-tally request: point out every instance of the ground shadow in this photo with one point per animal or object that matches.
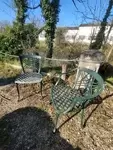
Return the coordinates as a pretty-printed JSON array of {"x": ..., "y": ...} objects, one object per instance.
[
  {"x": 30, "y": 128},
  {"x": 50, "y": 68},
  {"x": 6, "y": 81},
  {"x": 98, "y": 100},
  {"x": 106, "y": 70}
]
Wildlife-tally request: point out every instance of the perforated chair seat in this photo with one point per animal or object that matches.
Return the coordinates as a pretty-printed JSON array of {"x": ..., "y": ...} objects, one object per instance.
[
  {"x": 63, "y": 97},
  {"x": 31, "y": 67},
  {"x": 31, "y": 77},
  {"x": 66, "y": 99}
]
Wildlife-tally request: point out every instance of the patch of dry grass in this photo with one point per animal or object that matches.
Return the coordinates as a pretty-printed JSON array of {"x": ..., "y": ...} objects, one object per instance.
[{"x": 6, "y": 70}]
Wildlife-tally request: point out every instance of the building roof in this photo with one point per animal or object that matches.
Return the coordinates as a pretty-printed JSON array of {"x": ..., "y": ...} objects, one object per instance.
[
  {"x": 89, "y": 24},
  {"x": 69, "y": 28}
]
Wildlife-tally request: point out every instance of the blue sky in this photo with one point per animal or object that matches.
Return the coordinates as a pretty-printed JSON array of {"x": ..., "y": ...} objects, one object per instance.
[{"x": 69, "y": 15}]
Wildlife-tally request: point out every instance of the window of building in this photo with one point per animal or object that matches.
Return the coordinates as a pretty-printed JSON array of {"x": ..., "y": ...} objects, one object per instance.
[
  {"x": 92, "y": 37},
  {"x": 111, "y": 38},
  {"x": 81, "y": 37},
  {"x": 42, "y": 35},
  {"x": 68, "y": 37}
]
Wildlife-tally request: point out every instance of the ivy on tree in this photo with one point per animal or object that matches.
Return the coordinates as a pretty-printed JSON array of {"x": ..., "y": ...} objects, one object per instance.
[
  {"x": 21, "y": 6},
  {"x": 50, "y": 11}
]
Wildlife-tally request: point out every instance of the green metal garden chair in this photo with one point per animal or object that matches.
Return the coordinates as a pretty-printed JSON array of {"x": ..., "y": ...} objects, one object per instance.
[
  {"x": 77, "y": 97},
  {"x": 31, "y": 66}
]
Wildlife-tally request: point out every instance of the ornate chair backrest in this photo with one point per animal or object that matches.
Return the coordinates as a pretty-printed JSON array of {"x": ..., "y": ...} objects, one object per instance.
[
  {"x": 90, "y": 59},
  {"x": 66, "y": 98},
  {"x": 89, "y": 83},
  {"x": 30, "y": 63}
]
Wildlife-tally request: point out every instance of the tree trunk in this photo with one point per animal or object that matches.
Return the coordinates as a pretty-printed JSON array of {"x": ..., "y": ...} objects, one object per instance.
[
  {"x": 50, "y": 44},
  {"x": 108, "y": 32},
  {"x": 50, "y": 50},
  {"x": 100, "y": 36},
  {"x": 108, "y": 56}
]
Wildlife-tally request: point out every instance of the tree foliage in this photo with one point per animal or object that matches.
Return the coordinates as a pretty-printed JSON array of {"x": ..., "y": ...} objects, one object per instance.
[
  {"x": 9, "y": 43},
  {"x": 13, "y": 42},
  {"x": 20, "y": 36},
  {"x": 50, "y": 11},
  {"x": 18, "y": 30},
  {"x": 13, "y": 37}
]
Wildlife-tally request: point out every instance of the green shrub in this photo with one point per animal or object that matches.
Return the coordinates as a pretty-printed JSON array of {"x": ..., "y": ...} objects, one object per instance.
[
  {"x": 14, "y": 41},
  {"x": 69, "y": 50}
]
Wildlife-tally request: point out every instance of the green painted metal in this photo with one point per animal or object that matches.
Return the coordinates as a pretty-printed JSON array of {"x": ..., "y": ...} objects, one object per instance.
[
  {"x": 31, "y": 66},
  {"x": 66, "y": 99}
]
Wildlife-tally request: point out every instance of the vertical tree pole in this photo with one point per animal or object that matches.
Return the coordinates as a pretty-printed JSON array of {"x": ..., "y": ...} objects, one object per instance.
[
  {"x": 22, "y": 7},
  {"x": 19, "y": 24},
  {"x": 100, "y": 36},
  {"x": 50, "y": 11}
]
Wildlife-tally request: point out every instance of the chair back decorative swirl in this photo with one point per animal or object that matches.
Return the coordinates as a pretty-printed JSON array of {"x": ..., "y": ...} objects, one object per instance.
[{"x": 65, "y": 98}]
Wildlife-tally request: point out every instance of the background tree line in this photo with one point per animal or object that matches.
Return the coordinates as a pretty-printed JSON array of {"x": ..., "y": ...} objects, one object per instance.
[{"x": 22, "y": 37}]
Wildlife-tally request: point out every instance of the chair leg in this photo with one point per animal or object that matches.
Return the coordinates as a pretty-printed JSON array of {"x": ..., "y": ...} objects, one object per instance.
[
  {"x": 41, "y": 87},
  {"x": 56, "y": 122},
  {"x": 82, "y": 118},
  {"x": 50, "y": 101},
  {"x": 17, "y": 86}
]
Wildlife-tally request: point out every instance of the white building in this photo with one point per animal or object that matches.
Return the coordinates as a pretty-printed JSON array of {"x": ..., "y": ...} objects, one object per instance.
[
  {"x": 71, "y": 34},
  {"x": 42, "y": 36},
  {"x": 84, "y": 33}
]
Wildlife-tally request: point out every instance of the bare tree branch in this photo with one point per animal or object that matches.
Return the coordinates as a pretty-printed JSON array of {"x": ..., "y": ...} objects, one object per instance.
[
  {"x": 74, "y": 4},
  {"x": 111, "y": 26},
  {"x": 87, "y": 17},
  {"x": 8, "y": 5},
  {"x": 90, "y": 9},
  {"x": 35, "y": 7}
]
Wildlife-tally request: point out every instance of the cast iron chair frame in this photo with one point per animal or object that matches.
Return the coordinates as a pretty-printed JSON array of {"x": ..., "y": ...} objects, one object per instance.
[
  {"x": 80, "y": 97},
  {"x": 34, "y": 72}
]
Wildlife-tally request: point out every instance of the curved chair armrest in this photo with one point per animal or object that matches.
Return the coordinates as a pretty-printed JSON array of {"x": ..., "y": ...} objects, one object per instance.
[
  {"x": 67, "y": 73},
  {"x": 43, "y": 74}
]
